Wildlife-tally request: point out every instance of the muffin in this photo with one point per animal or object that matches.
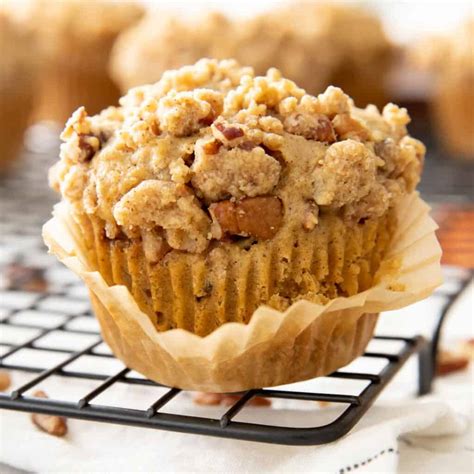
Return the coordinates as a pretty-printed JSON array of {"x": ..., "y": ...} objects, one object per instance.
[
  {"x": 451, "y": 61},
  {"x": 74, "y": 43},
  {"x": 17, "y": 74},
  {"x": 162, "y": 41},
  {"x": 314, "y": 45},
  {"x": 215, "y": 191},
  {"x": 360, "y": 52}
]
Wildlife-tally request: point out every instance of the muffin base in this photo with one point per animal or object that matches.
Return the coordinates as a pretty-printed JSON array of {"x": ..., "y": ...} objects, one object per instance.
[{"x": 199, "y": 293}]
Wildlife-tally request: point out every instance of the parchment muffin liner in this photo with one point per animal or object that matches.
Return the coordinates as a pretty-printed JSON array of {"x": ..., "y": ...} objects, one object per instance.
[{"x": 274, "y": 348}]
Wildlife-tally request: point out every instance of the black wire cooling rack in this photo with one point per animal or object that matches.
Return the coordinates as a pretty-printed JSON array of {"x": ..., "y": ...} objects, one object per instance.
[{"x": 64, "y": 310}]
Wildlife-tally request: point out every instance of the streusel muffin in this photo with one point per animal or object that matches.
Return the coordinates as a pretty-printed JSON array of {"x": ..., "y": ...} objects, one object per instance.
[
  {"x": 451, "y": 60},
  {"x": 74, "y": 40},
  {"x": 162, "y": 41},
  {"x": 215, "y": 191},
  {"x": 17, "y": 85},
  {"x": 357, "y": 52}
]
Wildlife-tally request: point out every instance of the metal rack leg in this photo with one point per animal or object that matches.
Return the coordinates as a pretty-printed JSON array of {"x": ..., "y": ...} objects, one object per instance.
[{"x": 425, "y": 369}]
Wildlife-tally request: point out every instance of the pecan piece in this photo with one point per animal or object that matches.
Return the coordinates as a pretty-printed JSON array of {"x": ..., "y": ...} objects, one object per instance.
[
  {"x": 227, "y": 399},
  {"x": 467, "y": 348},
  {"x": 449, "y": 362},
  {"x": 51, "y": 424},
  {"x": 258, "y": 217},
  {"x": 88, "y": 145},
  {"x": 230, "y": 133},
  {"x": 248, "y": 145},
  {"x": 212, "y": 147},
  {"x": 5, "y": 380},
  {"x": 348, "y": 127},
  {"x": 22, "y": 277},
  {"x": 311, "y": 126}
]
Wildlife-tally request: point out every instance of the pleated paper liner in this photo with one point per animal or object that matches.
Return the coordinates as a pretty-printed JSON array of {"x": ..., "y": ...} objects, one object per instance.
[
  {"x": 274, "y": 348},
  {"x": 199, "y": 293}
]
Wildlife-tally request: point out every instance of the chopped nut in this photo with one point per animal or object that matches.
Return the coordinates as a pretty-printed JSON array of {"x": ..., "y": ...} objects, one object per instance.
[
  {"x": 155, "y": 129},
  {"x": 386, "y": 149},
  {"x": 212, "y": 147},
  {"x": 155, "y": 247},
  {"x": 449, "y": 362},
  {"x": 5, "y": 380},
  {"x": 51, "y": 424},
  {"x": 208, "y": 120},
  {"x": 247, "y": 145},
  {"x": 348, "y": 127},
  {"x": 216, "y": 399},
  {"x": 311, "y": 126},
  {"x": 24, "y": 278},
  {"x": 259, "y": 217},
  {"x": 467, "y": 348},
  {"x": 230, "y": 133},
  {"x": 88, "y": 145}
]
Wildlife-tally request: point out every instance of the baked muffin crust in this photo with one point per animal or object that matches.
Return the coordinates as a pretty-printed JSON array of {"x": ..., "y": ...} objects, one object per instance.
[{"x": 212, "y": 152}]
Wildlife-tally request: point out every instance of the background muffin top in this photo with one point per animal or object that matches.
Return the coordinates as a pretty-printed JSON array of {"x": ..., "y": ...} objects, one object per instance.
[
  {"x": 308, "y": 42},
  {"x": 211, "y": 151},
  {"x": 79, "y": 20},
  {"x": 452, "y": 54},
  {"x": 16, "y": 46}
]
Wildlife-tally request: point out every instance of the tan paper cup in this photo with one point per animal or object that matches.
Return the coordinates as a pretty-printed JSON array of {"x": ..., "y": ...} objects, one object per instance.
[{"x": 275, "y": 348}]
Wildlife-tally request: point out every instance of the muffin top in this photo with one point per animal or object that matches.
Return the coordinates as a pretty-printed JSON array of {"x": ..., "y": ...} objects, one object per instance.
[
  {"x": 325, "y": 32},
  {"x": 17, "y": 61},
  {"x": 59, "y": 22},
  {"x": 212, "y": 153},
  {"x": 452, "y": 54}
]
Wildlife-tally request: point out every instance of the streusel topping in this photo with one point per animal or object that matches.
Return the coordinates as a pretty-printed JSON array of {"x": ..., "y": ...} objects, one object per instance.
[{"x": 212, "y": 152}]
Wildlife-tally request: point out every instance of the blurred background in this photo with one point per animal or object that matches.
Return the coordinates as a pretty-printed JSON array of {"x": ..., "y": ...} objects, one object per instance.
[{"x": 59, "y": 54}]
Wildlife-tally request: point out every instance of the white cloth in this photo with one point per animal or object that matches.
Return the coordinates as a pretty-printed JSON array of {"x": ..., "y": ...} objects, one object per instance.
[
  {"x": 430, "y": 434},
  {"x": 93, "y": 447}
]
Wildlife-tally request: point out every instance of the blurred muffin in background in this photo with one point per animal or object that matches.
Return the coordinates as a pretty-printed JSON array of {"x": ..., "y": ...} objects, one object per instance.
[
  {"x": 313, "y": 44},
  {"x": 17, "y": 74},
  {"x": 74, "y": 39},
  {"x": 162, "y": 41},
  {"x": 451, "y": 60},
  {"x": 278, "y": 39},
  {"x": 357, "y": 52}
]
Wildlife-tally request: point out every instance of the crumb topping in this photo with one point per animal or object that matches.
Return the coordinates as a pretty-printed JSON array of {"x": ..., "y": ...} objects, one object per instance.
[{"x": 212, "y": 151}]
